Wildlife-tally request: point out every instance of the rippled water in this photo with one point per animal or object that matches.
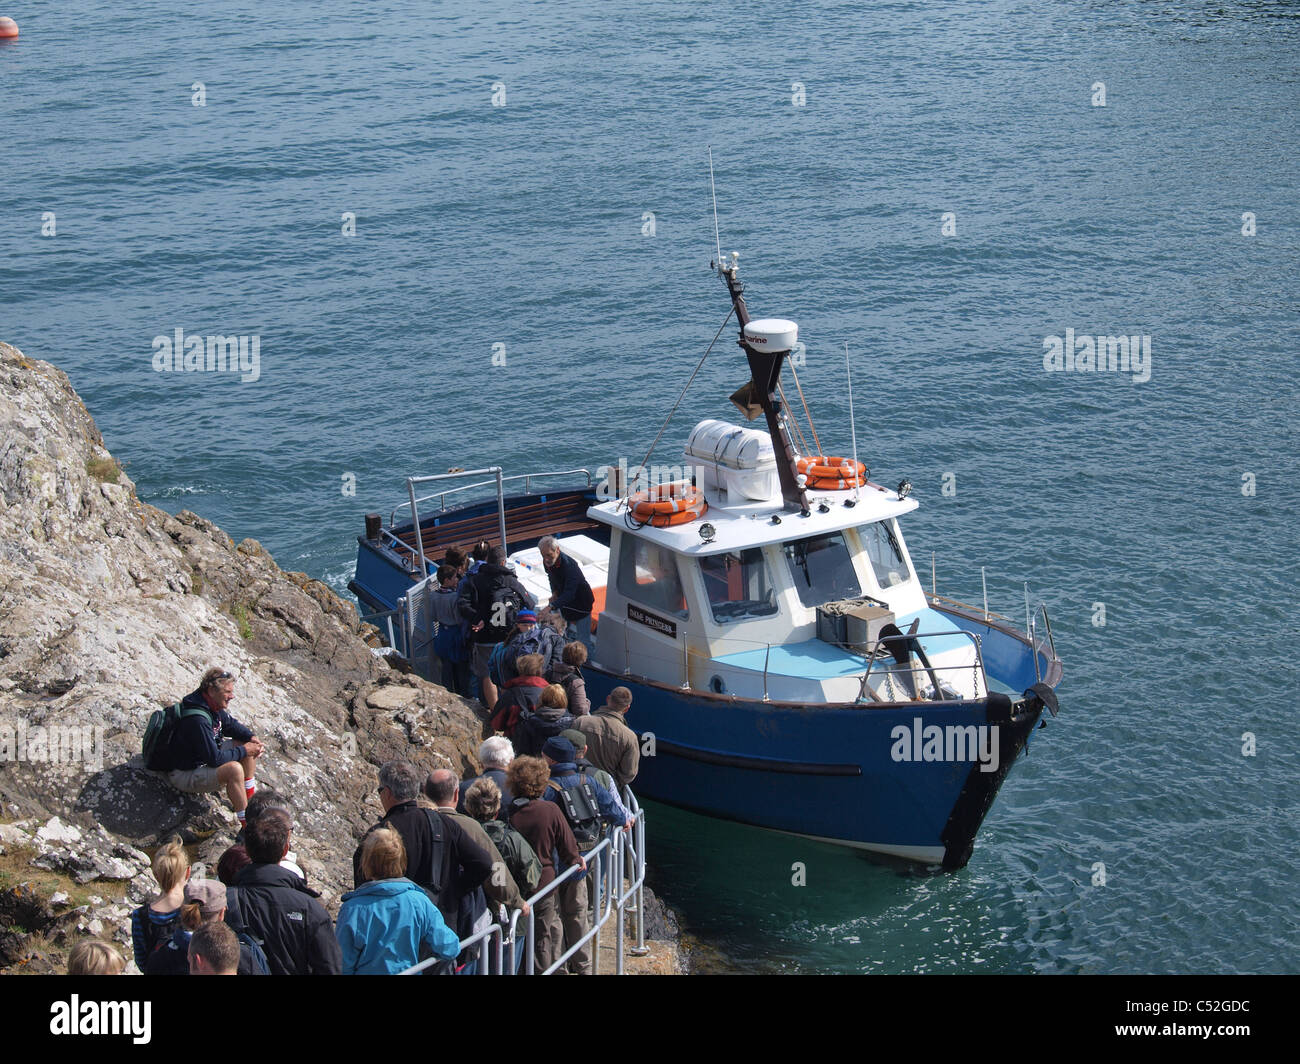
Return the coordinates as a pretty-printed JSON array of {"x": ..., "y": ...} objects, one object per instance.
[{"x": 523, "y": 225}]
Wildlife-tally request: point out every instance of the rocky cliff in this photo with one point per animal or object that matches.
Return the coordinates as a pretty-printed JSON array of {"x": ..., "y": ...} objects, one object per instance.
[{"x": 109, "y": 609}]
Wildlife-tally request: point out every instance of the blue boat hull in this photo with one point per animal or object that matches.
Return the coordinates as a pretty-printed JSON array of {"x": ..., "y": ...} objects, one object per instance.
[{"x": 826, "y": 772}]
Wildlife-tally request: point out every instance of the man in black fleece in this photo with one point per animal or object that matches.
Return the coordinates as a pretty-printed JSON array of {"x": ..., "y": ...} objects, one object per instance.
[
  {"x": 280, "y": 910},
  {"x": 440, "y": 856}
]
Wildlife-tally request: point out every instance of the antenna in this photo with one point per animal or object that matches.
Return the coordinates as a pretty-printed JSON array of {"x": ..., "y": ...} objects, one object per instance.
[
  {"x": 717, "y": 240},
  {"x": 853, "y": 431}
]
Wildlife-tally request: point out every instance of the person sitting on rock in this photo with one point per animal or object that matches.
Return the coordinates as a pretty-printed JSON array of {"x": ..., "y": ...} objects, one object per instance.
[
  {"x": 215, "y": 950},
  {"x": 568, "y": 674},
  {"x": 211, "y": 750},
  {"x": 205, "y": 903},
  {"x": 550, "y": 718},
  {"x": 523, "y": 692},
  {"x": 152, "y": 924},
  {"x": 384, "y": 922},
  {"x": 94, "y": 956}
]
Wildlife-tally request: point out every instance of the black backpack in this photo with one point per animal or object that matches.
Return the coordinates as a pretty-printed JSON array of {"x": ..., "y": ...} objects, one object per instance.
[
  {"x": 581, "y": 809},
  {"x": 503, "y": 610},
  {"x": 158, "y": 733},
  {"x": 156, "y": 935}
]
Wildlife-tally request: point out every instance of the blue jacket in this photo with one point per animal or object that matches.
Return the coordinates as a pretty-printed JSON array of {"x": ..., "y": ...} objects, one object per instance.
[
  {"x": 570, "y": 592},
  {"x": 382, "y": 924},
  {"x": 195, "y": 740}
]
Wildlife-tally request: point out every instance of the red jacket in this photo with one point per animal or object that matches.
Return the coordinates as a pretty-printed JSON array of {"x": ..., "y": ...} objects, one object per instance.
[{"x": 521, "y": 692}]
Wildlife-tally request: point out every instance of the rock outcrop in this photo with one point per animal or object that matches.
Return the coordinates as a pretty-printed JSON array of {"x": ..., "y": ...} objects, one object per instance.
[{"x": 109, "y": 609}]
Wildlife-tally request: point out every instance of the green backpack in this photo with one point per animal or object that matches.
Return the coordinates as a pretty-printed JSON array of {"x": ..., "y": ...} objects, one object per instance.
[
  {"x": 519, "y": 856},
  {"x": 158, "y": 733}
]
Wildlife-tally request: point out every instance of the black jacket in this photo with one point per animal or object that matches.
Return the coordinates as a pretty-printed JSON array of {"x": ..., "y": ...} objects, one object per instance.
[
  {"x": 281, "y": 912},
  {"x": 476, "y": 604},
  {"x": 463, "y": 865},
  {"x": 570, "y": 592},
  {"x": 538, "y": 725},
  {"x": 196, "y": 740}
]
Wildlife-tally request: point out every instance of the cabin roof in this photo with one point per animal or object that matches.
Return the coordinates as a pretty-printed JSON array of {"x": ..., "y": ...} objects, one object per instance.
[{"x": 739, "y": 527}]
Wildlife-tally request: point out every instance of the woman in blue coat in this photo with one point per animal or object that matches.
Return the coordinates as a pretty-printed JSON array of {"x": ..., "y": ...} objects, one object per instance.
[{"x": 383, "y": 923}]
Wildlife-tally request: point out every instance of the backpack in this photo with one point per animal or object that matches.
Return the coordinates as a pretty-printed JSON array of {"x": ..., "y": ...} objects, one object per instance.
[
  {"x": 255, "y": 953},
  {"x": 156, "y": 935},
  {"x": 540, "y": 639},
  {"x": 581, "y": 809},
  {"x": 520, "y": 858},
  {"x": 496, "y": 664},
  {"x": 158, "y": 733},
  {"x": 503, "y": 609}
]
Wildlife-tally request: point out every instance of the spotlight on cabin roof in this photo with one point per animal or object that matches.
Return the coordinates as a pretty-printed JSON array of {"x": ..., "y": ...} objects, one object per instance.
[
  {"x": 708, "y": 533},
  {"x": 904, "y": 489}
]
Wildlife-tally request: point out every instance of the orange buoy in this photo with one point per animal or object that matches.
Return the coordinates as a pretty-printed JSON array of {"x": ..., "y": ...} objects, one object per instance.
[
  {"x": 831, "y": 474},
  {"x": 668, "y": 504},
  {"x": 8, "y": 28}
]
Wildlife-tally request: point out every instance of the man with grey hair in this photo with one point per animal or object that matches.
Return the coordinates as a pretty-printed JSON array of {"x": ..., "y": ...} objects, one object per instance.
[
  {"x": 440, "y": 855},
  {"x": 496, "y": 754},
  {"x": 571, "y": 596},
  {"x": 611, "y": 744},
  {"x": 442, "y": 788}
]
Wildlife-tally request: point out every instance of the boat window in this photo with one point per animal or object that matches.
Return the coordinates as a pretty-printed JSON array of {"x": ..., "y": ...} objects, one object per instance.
[
  {"x": 821, "y": 568},
  {"x": 647, "y": 574},
  {"x": 738, "y": 585},
  {"x": 882, "y": 549}
]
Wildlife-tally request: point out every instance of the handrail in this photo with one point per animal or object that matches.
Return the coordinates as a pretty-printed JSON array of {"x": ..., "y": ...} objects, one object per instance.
[
  {"x": 1033, "y": 637},
  {"x": 482, "y": 938},
  {"x": 976, "y": 667},
  {"x": 442, "y": 495},
  {"x": 614, "y": 901}
]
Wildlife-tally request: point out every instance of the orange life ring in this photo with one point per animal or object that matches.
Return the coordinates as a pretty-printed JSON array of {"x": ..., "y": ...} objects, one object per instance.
[
  {"x": 666, "y": 505},
  {"x": 831, "y": 473}
]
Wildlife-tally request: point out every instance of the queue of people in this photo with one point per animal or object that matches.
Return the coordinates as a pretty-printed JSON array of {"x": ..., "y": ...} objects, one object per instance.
[{"x": 447, "y": 858}]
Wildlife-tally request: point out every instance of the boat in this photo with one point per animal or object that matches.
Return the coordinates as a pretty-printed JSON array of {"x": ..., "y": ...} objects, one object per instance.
[{"x": 787, "y": 667}]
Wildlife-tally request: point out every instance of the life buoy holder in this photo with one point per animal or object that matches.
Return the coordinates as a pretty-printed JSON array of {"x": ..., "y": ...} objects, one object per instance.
[
  {"x": 829, "y": 473},
  {"x": 666, "y": 505}
]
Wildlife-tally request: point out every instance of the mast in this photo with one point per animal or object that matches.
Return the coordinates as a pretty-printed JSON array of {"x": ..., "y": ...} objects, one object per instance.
[{"x": 765, "y": 375}]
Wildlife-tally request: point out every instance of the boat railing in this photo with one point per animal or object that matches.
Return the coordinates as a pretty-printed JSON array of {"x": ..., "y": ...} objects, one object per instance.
[
  {"x": 619, "y": 856},
  {"x": 1045, "y": 645},
  {"x": 715, "y": 648},
  {"x": 441, "y": 496}
]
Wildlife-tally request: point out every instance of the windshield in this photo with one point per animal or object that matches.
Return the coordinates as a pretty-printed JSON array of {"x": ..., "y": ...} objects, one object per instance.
[
  {"x": 822, "y": 569},
  {"x": 882, "y": 551},
  {"x": 738, "y": 585}
]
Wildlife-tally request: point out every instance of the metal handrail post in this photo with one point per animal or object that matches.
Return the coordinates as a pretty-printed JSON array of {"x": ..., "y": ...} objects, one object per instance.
[
  {"x": 415, "y": 526},
  {"x": 501, "y": 509}
]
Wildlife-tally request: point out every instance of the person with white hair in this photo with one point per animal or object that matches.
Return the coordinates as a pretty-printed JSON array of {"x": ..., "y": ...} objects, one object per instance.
[
  {"x": 571, "y": 596},
  {"x": 496, "y": 754}
]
